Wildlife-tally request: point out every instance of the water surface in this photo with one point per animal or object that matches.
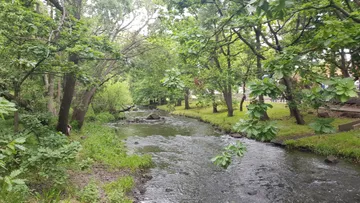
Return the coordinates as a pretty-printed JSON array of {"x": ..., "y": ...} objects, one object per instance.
[{"x": 182, "y": 148}]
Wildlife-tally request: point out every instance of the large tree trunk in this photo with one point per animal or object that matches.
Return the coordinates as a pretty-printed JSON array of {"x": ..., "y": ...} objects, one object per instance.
[
  {"x": 292, "y": 103},
  {"x": 68, "y": 94},
  {"x": 50, "y": 94},
  {"x": 265, "y": 116},
  {"x": 70, "y": 81},
  {"x": 228, "y": 100},
  {"x": 186, "y": 98},
  {"x": 83, "y": 106}
]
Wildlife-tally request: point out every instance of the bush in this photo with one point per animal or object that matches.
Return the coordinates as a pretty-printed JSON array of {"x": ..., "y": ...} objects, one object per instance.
[
  {"x": 323, "y": 126},
  {"x": 104, "y": 117},
  {"x": 255, "y": 129}
]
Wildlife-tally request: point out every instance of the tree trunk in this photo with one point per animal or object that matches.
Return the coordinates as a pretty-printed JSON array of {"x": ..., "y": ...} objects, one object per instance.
[
  {"x": 83, "y": 106},
  {"x": 343, "y": 68},
  {"x": 186, "y": 98},
  {"x": 50, "y": 94},
  {"x": 292, "y": 103},
  {"x": 178, "y": 102},
  {"x": 16, "y": 113},
  {"x": 228, "y": 100},
  {"x": 243, "y": 97},
  {"x": 58, "y": 94},
  {"x": 68, "y": 94},
  {"x": 214, "y": 104},
  {"x": 265, "y": 116}
]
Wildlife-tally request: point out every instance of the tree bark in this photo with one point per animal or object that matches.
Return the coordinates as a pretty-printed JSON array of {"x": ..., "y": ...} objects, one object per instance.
[
  {"x": 68, "y": 94},
  {"x": 265, "y": 116},
  {"x": 17, "y": 101},
  {"x": 178, "y": 102},
  {"x": 343, "y": 68},
  {"x": 291, "y": 102},
  {"x": 50, "y": 94},
  {"x": 186, "y": 98},
  {"x": 80, "y": 110},
  {"x": 228, "y": 100}
]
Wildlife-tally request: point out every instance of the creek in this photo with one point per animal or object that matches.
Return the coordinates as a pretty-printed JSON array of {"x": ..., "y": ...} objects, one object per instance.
[{"x": 182, "y": 147}]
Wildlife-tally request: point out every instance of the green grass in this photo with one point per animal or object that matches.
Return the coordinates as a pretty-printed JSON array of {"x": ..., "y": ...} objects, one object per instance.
[
  {"x": 116, "y": 190},
  {"x": 344, "y": 144},
  {"x": 279, "y": 113},
  {"x": 103, "y": 145}
]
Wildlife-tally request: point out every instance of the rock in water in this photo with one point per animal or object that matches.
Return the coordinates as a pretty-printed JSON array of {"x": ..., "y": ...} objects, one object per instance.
[
  {"x": 153, "y": 116},
  {"x": 323, "y": 115},
  {"x": 331, "y": 159}
]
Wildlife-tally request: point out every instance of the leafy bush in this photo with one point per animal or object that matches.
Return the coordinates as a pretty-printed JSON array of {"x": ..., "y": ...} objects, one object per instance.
[
  {"x": 224, "y": 160},
  {"x": 48, "y": 159},
  {"x": 257, "y": 109},
  {"x": 323, "y": 126},
  {"x": 104, "y": 117},
  {"x": 255, "y": 129}
]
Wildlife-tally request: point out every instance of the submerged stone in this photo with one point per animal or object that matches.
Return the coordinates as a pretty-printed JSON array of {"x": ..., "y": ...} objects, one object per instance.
[
  {"x": 153, "y": 116},
  {"x": 331, "y": 159}
]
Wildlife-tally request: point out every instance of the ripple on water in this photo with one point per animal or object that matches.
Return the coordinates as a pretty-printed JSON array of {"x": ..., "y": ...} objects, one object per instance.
[{"x": 182, "y": 149}]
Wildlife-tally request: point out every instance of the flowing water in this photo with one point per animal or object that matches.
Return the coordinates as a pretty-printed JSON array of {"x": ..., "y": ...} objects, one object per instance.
[{"x": 182, "y": 148}]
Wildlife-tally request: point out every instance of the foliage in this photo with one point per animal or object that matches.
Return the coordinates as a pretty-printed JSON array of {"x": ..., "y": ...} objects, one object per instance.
[
  {"x": 104, "y": 117},
  {"x": 323, "y": 126},
  {"x": 264, "y": 131},
  {"x": 6, "y": 107},
  {"x": 86, "y": 163},
  {"x": 267, "y": 87},
  {"x": 116, "y": 190},
  {"x": 224, "y": 160},
  {"x": 106, "y": 147},
  {"x": 90, "y": 193},
  {"x": 108, "y": 100},
  {"x": 340, "y": 88},
  {"x": 257, "y": 109}
]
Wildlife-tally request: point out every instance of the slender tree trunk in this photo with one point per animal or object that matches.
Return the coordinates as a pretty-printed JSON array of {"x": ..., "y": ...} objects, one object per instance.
[
  {"x": 50, "y": 95},
  {"x": 83, "y": 106},
  {"x": 178, "y": 102},
  {"x": 243, "y": 97},
  {"x": 265, "y": 116},
  {"x": 16, "y": 113},
  {"x": 344, "y": 69},
  {"x": 186, "y": 98},
  {"x": 58, "y": 94},
  {"x": 213, "y": 99},
  {"x": 292, "y": 103},
  {"x": 68, "y": 94}
]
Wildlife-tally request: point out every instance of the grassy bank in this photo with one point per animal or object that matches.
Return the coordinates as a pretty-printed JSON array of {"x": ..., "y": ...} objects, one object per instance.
[
  {"x": 103, "y": 171},
  {"x": 346, "y": 144}
]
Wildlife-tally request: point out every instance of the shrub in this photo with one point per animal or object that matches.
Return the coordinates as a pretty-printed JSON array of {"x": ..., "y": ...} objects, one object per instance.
[{"x": 323, "y": 126}]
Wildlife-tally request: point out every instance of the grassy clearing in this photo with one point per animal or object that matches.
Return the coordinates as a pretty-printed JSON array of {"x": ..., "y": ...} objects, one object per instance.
[{"x": 346, "y": 144}]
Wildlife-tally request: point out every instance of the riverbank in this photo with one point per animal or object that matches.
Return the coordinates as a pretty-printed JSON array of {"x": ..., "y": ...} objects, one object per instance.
[
  {"x": 103, "y": 171},
  {"x": 345, "y": 145}
]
